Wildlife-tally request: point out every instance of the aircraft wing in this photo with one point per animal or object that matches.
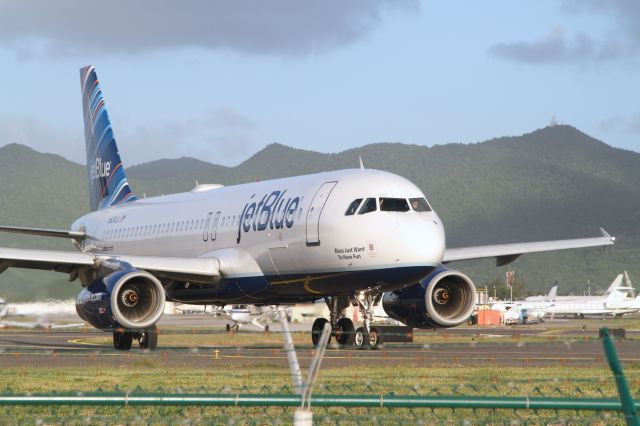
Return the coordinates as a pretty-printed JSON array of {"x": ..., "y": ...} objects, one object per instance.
[
  {"x": 201, "y": 269},
  {"x": 507, "y": 253},
  {"x": 50, "y": 260}
]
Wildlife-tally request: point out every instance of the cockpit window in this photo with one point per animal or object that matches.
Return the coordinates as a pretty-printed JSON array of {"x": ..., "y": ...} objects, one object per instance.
[
  {"x": 368, "y": 206},
  {"x": 353, "y": 207},
  {"x": 393, "y": 205},
  {"x": 419, "y": 205}
]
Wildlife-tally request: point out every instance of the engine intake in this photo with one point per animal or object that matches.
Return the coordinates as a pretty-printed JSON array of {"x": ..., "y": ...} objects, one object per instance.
[
  {"x": 131, "y": 299},
  {"x": 445, "y": 298}
]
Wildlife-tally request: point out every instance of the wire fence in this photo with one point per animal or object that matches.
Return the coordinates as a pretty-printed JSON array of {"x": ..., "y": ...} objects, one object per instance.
[{"x": 419, "y": 383}]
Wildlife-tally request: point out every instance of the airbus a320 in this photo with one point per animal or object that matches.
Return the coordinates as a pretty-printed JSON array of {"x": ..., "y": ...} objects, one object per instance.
[{"x": 354, "y": 236}]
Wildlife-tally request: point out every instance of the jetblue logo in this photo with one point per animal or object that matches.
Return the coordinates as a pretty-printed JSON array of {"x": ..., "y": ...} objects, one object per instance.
[
  {"x": 100, "y": 169},
  {"x": 273, "y": 211}
]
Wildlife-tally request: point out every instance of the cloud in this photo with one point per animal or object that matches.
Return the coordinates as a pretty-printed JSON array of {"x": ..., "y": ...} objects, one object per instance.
[
  {"x": 281, "y": 27},
  {"x": 553, "y": 48},
  {"x": 41, "y": 136},
  {"x": 634, "y": 123},
  {"x": 621, "y": 123},
  {"x": 620, "y": 41},
  {"x": 222, "y": 136}
]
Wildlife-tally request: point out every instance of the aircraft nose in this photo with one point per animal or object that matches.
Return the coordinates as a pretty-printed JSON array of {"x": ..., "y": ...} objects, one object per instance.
[{"x": 423, "y": 240}]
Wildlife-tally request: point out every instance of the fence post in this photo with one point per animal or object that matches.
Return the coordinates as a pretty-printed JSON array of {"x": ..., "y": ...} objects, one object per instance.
[{"x": 628, "y": 406}]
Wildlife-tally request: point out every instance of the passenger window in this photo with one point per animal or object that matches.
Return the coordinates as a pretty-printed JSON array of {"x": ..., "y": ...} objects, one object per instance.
[
  {"x": 353, "y": 207},
  {"x": 368, "y": 206},
  {"x": 393, "y": 205},
  {"x": 419, "y": 205}
]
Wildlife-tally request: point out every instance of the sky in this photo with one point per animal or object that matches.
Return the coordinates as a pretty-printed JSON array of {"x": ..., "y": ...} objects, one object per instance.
[{"x": 219, "y": 80}]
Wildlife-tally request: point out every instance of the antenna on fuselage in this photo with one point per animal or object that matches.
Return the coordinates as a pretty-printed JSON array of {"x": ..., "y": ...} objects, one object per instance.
[{"x": 360, "y": 161}]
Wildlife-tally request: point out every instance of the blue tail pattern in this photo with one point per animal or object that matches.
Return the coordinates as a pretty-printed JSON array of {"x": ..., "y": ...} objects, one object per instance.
[{"x": 108, "y": 184}]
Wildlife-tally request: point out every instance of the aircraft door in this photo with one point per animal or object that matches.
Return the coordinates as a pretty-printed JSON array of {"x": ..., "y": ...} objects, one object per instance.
[
  {"x": 315, "y": 209},
  {"x": 214, "y": 226}
]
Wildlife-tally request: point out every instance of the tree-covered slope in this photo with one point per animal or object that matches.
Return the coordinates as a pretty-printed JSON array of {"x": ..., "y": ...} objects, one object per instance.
[{"x": 552, "y": 183}]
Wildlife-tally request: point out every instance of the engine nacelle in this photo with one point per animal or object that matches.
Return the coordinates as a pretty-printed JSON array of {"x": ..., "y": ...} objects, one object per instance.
[
  {"x": 132, "y": 299},
  {"x": 445, "y": 298}
]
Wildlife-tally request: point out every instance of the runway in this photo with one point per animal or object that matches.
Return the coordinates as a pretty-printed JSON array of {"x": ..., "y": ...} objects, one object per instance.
[{"x": 461, "y": 346}]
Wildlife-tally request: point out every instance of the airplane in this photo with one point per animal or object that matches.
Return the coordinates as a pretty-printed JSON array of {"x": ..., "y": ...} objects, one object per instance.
[
  {"x": 42, "y": 323},
  {"x": 615, "y": 304},
  {"x": 327, "y": 235},
  {"x": 258, "y": 316},
  {"x": 552, "y": 295},
  {"x": 4, "y": 308}
]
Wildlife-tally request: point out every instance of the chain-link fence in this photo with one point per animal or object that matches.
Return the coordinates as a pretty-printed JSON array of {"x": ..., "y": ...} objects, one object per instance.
[{"x": 251, "y": 385}]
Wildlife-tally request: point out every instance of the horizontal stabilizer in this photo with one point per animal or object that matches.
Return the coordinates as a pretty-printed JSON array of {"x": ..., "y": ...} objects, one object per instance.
[{"x": 43, "y": 232}]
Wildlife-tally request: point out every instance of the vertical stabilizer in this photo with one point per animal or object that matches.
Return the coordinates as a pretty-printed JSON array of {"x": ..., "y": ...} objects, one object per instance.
[
  {"x": 616, "y": 283},
  {"x": 108, "y": 184},
  {"x": 551, "y": 297}
]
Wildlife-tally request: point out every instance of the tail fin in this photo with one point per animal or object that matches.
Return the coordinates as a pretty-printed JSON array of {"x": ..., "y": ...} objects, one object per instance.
[
  {"x": 551, "y": 297},
  {"x": 108, "y": 184},
  {"x": 616, "y": 283}
]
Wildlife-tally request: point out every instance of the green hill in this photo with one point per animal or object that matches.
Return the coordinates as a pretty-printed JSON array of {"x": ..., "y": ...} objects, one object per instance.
[{"x": 555, "y": 182}]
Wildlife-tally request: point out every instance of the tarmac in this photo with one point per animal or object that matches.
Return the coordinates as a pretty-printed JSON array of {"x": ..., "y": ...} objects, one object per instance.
[{"x": 557, "y": 342}]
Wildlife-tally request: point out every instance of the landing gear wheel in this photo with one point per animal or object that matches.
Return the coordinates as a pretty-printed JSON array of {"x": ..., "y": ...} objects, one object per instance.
[
  {"x": 149, "y": 339},
  {"x": 228, "y": 328},
  {"x": 375, "y": 338},
  {"x": 361, "y": 338},
  {"x": 316, "y": 330},
  {"x": 344, "y": 332},
  {"x": 122, "y": 340}
]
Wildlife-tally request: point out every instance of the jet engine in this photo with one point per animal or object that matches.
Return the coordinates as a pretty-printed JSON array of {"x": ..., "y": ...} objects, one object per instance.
[
  {"x": 131, "y": 298},
  {"x": 445, "y": 298}
]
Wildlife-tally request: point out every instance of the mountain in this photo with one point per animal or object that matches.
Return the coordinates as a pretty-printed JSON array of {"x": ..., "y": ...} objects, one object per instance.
[{"x": 555, "y": 182}]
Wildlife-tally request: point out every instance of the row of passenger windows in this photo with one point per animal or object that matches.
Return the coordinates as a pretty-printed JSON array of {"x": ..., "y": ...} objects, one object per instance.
[
  {"x": 164, "y": 228},
  {"x": 387, "y": 204}
]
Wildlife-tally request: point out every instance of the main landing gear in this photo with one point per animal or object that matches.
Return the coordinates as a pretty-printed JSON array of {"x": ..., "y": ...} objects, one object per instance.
[
  {"x": 148, "y": 339},
  {"x": 343, "y": 329}
]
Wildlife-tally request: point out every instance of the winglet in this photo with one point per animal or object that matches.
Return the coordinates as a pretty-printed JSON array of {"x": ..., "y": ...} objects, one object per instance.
[
  {"x": 361, "y": 164},
  {"x": 606, "y": 234}
]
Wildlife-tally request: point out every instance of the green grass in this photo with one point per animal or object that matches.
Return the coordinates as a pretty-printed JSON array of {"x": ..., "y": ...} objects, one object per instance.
[
  {"x": 153, "y": 375},
  {"x": 414, "y": 377}
]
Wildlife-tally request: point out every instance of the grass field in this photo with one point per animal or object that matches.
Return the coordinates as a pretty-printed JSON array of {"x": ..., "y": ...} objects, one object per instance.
[{"x": 153, "y": 374}]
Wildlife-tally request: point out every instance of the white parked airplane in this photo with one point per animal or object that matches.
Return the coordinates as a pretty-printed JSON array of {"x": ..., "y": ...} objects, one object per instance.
[
  {"x": 259, "y": 316},
  {"x": 325, "y": 235},
  {"x": 615, "y": 304},
  {"x": 42, "y": 323},
  {"x": 4, "y": 308},
  {"x": 616, "y": 284}
]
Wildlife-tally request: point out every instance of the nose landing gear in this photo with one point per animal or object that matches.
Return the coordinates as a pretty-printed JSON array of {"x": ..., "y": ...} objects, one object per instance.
[{"x": 343, "y": 329}]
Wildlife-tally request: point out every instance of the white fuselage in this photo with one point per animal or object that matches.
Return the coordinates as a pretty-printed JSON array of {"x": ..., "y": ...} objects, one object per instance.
[
  {"x": 615, "y": 304},
  {"x": 294, "y": 230}
]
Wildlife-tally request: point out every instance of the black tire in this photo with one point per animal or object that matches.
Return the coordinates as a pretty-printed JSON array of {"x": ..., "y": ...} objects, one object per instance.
[
  {"x": 345, "y": 331},
  {"x": 149, "y": 339},
  {"x": 266, "y": 329},
  {"x": 375, "y": 338},
  {"x": 122, "y": 340},
  {"x": 228, "y": 328},
  {"x": 361, "y": 338},
  {"x": 316, "y": 330}
]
